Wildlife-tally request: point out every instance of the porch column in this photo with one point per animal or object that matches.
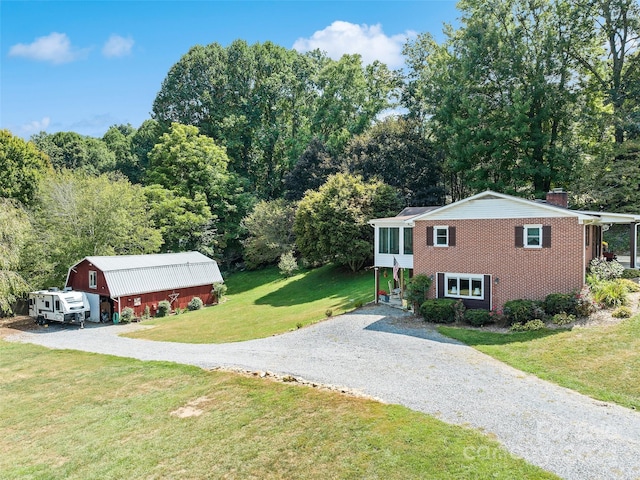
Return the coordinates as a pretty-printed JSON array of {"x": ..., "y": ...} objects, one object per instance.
[
  {"x": 377, "y": 283},
  {"x": 633, "y": 244}
]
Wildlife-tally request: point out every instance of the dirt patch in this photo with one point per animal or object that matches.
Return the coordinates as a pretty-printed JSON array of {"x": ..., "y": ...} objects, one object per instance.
[
  {"x": 192, "y": 409},
  {"x": 9, "y": 325}
]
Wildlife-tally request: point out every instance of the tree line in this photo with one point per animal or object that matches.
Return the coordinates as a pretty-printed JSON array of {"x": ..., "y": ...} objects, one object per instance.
[{"x": 256, "y": 150}]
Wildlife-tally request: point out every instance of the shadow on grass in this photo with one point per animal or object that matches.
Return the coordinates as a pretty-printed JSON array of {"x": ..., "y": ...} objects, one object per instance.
[
  {"x": 476, "y": 337},
  {"x": 324, "y": 282},
  {"x": 241, "y": 282}
]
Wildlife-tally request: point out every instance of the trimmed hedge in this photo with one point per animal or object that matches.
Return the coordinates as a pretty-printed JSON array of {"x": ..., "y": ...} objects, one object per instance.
[
  {"x": 478, "y": 317},
  {"x": 522, "y": 311},
  {"x": 439, "y": 310},
  {"x": 556, "y": 303}
]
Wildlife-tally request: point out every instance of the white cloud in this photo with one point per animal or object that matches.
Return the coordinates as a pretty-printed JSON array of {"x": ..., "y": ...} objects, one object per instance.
[
  {"x": 55, "y": 48},
  {"x": 35, "y": 126},
  {"x": 117, "y": 46},
  {"x": 369, "y": 41}
]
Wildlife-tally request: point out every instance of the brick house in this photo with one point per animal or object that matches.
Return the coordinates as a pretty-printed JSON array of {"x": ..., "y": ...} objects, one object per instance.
[{"x": 490, "y": 248}]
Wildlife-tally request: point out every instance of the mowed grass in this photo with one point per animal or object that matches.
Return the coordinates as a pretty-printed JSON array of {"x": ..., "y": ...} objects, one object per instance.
[
  {"x": 74, "y": 415},
  {"x": 263, "y": 303},
  {"x": 602, "y": 362}
]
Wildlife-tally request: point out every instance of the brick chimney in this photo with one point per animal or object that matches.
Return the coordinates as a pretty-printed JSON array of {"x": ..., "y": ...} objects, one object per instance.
[{"x": 558, "y": 197}]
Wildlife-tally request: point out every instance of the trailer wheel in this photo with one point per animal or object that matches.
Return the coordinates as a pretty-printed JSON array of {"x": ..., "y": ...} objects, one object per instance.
[{"x": 40, "y": 320}]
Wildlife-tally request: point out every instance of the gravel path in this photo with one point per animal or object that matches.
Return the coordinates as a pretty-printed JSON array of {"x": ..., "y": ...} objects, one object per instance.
[{"x": 379, "y": 352}]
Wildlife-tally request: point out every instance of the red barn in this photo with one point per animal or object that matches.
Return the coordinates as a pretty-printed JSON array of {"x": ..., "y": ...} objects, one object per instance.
[{"x": 136, "y": 281}]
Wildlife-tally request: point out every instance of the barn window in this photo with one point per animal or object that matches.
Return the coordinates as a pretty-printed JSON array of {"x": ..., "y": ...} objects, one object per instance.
[
  {"x": 137, "y": 302},
  {"x": 93, "y": 279}
]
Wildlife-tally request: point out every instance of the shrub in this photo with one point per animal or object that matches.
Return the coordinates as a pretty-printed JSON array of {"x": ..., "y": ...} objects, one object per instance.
[
  {"x": 621, "y": 312},
  {"x": 219, "y": 290},
  {"x": 164, "y": 308},
  {"x": 610, "y": 294},
  {"x": 556, "y": 303},
  {"x": 195, "y": 304},
  {"x": 458, "y": 311},
  {"x": 630, "y": 273},
  {"x": 629, "y": 285},
  {"x": 478, "y": 318},
  {"x": 585, "y": 305},
  {"x": 127, "y": 314},
  {"x": 521, "y": 311},
  {"x": 416, "y": 289},
  {"x": 358, "y": 304},
  {"x": 563, "y": 318},
  {"x": 535, "y": 324},
  {"x": 146, "y": 315},
  {"x": 329, "y": 313},
  {"x": 288, "y": 264},
  {"x": 439, "y": 310},
  {"x": 603, "y": 270}
]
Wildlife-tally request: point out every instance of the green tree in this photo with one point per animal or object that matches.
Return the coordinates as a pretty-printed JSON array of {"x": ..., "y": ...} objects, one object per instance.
[
  {"x": 501, "y": 95},
  {"x": 397, "y": 152},
  {"x": 142, "y": 143},
  {"x": 269, "y": 229},
  {"x": 118, "y": 140},
  {"x": 23, "y": 166},
  {"x": 77, "y": 152},
  {"x": 351, "y": 96},
  {"x": 185, "y": 223},
  {"x": 14, "y": 229},
  {"x": 331, "y": 223},
  {"x": 311, "y": 170},
  {"x": 81, "y": 215},
  {"x": 191, "y": 164}
]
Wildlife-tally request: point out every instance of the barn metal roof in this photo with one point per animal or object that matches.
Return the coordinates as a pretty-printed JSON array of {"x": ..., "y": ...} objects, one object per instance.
[{"x": 137, "y": 274}]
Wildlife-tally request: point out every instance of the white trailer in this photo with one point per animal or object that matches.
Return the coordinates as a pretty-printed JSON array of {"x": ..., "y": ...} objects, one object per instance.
[{"x": 53, "y": 305}]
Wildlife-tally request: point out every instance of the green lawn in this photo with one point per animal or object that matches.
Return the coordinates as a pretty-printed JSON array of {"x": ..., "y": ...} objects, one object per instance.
[
  {"x": 263, "y": 303},
  {"x": 602, "y": 362},
  {"x": 74, "y": 415}
]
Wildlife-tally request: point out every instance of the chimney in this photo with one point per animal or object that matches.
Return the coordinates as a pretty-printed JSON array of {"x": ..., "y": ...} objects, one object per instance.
[{"x": 558, "y": 197}]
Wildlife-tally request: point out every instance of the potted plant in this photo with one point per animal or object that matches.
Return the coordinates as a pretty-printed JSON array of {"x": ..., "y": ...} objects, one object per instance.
[{"x": 383, "y": 295}]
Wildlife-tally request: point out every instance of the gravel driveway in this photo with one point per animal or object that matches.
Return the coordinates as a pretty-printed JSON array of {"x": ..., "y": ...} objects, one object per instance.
[{"x": 379, "y": 352}]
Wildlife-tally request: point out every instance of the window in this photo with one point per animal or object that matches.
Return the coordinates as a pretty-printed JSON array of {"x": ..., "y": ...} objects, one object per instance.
[
  {"x": 57, "y": 305},
  {"x": 137, "y": 301},
  {"x": 533, "y": 236},
  {"x": 441, "y": 236},
  {"x": 408, "y": 241},
  {"x": 93, "y": 279},
  {"x": 464, "y": 286},
  {"x": 389, "y": 240}
]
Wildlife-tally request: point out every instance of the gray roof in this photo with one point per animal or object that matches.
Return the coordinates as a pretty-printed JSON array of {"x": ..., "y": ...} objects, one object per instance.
[{"x": 136, "y": 274}]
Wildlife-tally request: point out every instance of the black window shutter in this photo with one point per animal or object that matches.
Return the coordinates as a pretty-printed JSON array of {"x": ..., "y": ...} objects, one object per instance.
[
  {"x": 546, "y": 236},
  {"x": 429, "y": 236},
  {"x": 452, "y": 236},
  {"x": 519, "y": 236},
  {"x": 440, "y": 285}
]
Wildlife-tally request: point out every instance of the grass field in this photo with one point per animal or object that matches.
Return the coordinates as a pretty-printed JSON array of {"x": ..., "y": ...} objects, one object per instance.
[
  {"x": 602, "y": 362},
  {"x": 72, "y": 415},
  {"x": 263, "y": 303}
]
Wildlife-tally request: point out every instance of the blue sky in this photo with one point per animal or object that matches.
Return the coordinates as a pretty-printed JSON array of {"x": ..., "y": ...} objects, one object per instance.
[{"x": 86, "y": 65}]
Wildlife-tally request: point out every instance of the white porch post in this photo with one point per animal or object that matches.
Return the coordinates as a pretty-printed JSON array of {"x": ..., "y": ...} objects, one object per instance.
[{"x": 377, "y": 283}]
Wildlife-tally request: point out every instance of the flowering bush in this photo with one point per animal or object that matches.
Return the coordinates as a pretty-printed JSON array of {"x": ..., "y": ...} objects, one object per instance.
[
  {"x": 382, "y": 292},
  {"x": 585, "y": 305},
  {"x": 602, "y": 270}
]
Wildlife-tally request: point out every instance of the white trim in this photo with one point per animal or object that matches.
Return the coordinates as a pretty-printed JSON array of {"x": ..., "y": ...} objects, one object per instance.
[
  {"x": 525, "y": 236},
  {"x": 93, "y": 279},
  {"x": 471, "y": 277},
  {"x": 551, "y": 209},
  {"x": 435, "y": 235}
]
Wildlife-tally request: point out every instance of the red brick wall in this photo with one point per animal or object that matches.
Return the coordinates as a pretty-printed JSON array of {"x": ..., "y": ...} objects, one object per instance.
[{"x": 487, "y": 247}]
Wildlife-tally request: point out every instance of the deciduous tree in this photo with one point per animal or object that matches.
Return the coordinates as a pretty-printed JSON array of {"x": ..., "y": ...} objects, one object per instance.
[{"x": 331, "y": 223}]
